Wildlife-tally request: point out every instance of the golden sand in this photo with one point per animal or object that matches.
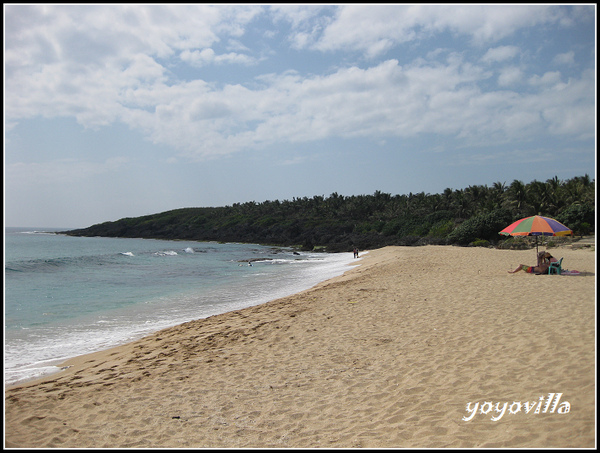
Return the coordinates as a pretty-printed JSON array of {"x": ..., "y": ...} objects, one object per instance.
[{"x": 387, "y": 355}]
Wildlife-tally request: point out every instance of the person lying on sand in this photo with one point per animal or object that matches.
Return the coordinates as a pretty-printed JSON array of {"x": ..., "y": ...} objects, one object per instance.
[{"x": 543, "y": 263}]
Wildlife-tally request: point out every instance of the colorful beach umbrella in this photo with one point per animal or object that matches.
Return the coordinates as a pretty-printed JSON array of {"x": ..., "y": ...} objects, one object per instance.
[{"x": 536, "y": 225}]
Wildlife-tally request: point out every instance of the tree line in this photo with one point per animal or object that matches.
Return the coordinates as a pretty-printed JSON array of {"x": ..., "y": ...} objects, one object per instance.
[{"x": 473, "y": 215}]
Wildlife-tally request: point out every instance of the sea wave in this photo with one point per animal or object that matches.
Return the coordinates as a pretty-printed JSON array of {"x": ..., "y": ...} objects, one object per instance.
[
  {"x": 42, "y": 265},
  {"x": 166, "y": 253},
  {"x": 58, "y": 263}
]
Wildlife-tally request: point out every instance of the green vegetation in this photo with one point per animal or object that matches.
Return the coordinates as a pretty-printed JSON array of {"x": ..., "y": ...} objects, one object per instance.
[{"x": 471, "y": 216}]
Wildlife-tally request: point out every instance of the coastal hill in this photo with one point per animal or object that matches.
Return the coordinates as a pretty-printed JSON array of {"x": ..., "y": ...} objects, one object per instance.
[{"x": 473, "y": 215}]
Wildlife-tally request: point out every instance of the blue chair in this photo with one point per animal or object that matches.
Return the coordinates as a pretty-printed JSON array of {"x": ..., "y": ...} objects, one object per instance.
[{"x": 555, "y": 268}]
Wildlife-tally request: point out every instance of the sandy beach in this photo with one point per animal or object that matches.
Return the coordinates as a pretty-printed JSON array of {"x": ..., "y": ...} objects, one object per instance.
[{"x": 396, "y": 353}]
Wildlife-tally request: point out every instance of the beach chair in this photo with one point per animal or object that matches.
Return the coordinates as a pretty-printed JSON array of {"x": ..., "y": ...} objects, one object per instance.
[{"x": 555, "y": 268}]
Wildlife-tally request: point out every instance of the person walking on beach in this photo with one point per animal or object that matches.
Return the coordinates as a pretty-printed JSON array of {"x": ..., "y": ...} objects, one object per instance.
[{"x": 355, "y": 252}]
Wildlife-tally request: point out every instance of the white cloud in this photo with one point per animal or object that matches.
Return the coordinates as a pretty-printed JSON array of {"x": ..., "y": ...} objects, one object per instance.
[
  {"x": 568, "y": 107},
  {"x": 567, "y": 58},
  {"x": 489, "y": 23},
  {"x": 62, "y": 171},
  {"x": 376, "y": 30},
  {"x": 373, "y": 30},
  {"x": 208, "y": 56},
  {"x": 100, "y": 33},
  {"x": 547, "y": 79},
  {"x": 510, "y": 76},
  {"x": 127, "y": 77},
  {"x": 501, "y": 53},
  {"x": 383, "y": 100},
  {"x": 83, "y": 61},
  {"x": 143, "y": 68}
]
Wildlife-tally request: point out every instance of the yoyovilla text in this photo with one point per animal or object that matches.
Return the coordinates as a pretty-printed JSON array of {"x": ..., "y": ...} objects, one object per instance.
[{"x": 497, "y": 410}]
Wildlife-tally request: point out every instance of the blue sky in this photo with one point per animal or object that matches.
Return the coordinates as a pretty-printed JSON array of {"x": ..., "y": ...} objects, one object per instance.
[{"x": 115, "y": 111}]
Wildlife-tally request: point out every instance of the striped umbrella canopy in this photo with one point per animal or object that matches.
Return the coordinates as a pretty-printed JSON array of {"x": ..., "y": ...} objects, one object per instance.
[{"x": 536, "y": 225}]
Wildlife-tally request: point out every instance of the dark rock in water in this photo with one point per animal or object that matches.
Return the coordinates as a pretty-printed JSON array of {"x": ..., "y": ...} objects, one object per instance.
[{"x": 252, "y": 260}]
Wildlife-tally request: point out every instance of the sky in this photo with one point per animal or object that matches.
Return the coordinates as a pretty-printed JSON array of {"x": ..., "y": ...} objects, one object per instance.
[{"x": 114, "y": 111}]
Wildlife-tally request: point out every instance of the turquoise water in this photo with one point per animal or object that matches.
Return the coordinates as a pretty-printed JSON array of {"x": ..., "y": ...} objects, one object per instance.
[{"x": 66, "y": 296}]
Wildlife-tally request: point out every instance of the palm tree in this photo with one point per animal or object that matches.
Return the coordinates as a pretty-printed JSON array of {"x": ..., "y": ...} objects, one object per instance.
[
  {"x": 579, "y": 189},
  {"x": 537, "y": 194},
  {"x": 460, "y": 204},
  {"x": 516, "y": 199},
  {"x": 497, "y": 194},
  {"x": 554, "y": 197}
]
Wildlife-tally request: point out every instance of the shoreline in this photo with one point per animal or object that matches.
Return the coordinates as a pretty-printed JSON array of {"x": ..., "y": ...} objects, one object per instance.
[
  {"x": 37, "y": 351},
  {"x": 64, "y": 365},
  {"x": 386, "y": 355}
]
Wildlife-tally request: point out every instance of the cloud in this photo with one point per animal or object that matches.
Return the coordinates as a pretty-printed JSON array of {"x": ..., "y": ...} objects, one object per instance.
[
  {"x": 208, "y": 56},
  {"x": 510, "y": 76},
  {"x": 97, "y": 34},
  {"x": 387, "y": 25},
  {"x": 489, "y": 23},
  {"x": 547, "y": 79},
  {"x": 83, "y": 61},
  {"x": 142, "y": 69},
  {"x": 62, "y": 171},
  {"x": 567, "y": 58},
  {"x": 390, "y": 25},
  {"x": 501, "y": 53},
  {"x": 567, "y": 107},
  {"x": 129, "y": 77},
  {"x": 386, "y": 100}
]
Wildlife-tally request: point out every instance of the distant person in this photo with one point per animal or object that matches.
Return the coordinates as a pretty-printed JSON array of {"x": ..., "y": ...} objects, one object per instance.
[
  {"x": 355, "y": 252},
  {"x": 550, "y": 258},
  {"x": 543, "y": 263}
]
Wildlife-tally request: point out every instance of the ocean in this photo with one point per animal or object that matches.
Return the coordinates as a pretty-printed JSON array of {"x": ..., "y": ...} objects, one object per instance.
[{"x": 67, "y": 296}]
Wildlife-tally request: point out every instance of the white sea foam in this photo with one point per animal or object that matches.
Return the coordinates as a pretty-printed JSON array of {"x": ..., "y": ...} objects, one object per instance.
[{"x": 166, "y": 253}]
